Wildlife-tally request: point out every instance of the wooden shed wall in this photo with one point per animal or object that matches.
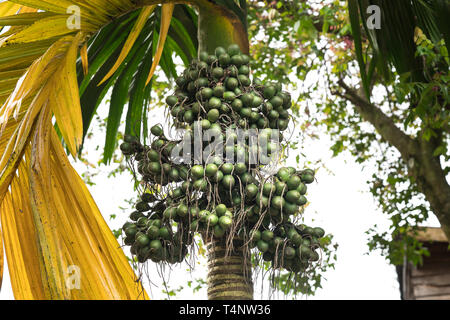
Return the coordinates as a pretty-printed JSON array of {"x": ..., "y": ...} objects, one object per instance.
[{"x": 431, "y": 281}]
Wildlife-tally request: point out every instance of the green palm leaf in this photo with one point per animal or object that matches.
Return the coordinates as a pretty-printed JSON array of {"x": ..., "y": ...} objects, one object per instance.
[
  {"x": 393, "y": 44},
  {"x": 127, "y": 84}
]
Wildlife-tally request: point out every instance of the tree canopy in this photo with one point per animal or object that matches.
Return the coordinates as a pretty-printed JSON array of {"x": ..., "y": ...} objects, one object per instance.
[{"x": 381, "y": 94}]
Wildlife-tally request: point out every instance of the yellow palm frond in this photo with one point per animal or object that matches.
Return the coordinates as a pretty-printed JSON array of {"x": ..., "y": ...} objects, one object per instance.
[
  {"x": 38, "y": 81},
  {"x": 166, "y": 16},
  {"x": 49, "y": 220},
  {"x": 137, "y": 28},
  {"x": 23, "y": 19},
  {"x": 84, "y": 59},
  {"x": 8, "y": 8},
  {"x": 64, "y": 98},
  {"x": 1, "y": 259},
  {"x": 20, "y": 236},
  {"x": 42, "y": 29}
]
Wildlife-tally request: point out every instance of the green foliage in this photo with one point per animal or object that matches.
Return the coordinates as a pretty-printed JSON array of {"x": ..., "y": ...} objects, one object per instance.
[
  {"x": 403, "y": 69},
  {"x": 127, "y": 85},
  {"x": 198, "y": 285}
]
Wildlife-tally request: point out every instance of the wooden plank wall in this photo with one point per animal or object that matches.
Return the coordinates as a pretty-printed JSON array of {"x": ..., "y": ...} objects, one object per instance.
[{"x": 431, "y": 281}]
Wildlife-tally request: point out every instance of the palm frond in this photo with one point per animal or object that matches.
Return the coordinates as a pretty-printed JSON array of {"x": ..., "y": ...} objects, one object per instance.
[
  {"x": 20, "y": 237},
  {"x": 84, "y": 59},
  {"x": 181, "y": 39},
  {"x": 134, "y": 33},
  {"x": 441, "y": 12},
  {"x": 166, "y": 17},
  {"x": 393, "y": 44},
  {"x": 1, "y": 260},
  {"x": 353, "y": 11},
  {"x": 60, "y": 213},
  {"x": 121, "y": 89},
  {"x": 8, "y": 8}
]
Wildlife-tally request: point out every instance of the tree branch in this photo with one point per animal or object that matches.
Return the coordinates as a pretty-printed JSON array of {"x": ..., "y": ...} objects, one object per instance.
[
  {"x": 382, "y": 123},
  {"x": 425, "y": 168}
]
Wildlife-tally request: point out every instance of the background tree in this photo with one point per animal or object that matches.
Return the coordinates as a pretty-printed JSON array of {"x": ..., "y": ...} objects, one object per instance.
[{"x": 392, "y": 115}]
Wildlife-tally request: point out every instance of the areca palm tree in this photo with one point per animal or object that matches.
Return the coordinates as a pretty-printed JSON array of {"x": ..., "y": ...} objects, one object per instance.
[{"x": 58, "y": 60}]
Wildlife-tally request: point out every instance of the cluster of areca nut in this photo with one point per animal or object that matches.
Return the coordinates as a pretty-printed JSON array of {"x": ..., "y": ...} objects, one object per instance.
[{"x": 220, "y": 196}]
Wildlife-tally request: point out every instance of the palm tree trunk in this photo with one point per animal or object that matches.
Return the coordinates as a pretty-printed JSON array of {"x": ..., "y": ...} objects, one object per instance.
[
  {"x": 229, "y": 273},
  {"x": 218, "y": 26}
]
